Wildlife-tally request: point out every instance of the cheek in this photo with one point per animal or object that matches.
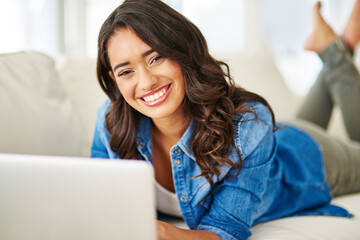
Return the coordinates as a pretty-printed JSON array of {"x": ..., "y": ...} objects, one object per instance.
[
  {"x": 125, "y": 90},
  {"x": 176, "y": 72},
  {"x": 181, "y": 82}
]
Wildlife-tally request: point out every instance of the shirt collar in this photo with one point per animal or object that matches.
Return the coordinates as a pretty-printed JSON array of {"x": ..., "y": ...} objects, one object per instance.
[
  {"x": 186, "y": 140},
  {"x": 143, "y": 136}
]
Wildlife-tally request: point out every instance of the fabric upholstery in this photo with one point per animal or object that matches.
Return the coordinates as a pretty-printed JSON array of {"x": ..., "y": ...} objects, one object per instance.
[{"x": 36, "y": 115}]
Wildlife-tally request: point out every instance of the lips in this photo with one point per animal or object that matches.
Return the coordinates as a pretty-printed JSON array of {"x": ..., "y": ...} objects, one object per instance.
[{"x": 157, "y": 96}]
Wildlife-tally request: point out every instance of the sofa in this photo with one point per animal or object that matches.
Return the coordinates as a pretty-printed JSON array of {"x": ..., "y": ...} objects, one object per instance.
[{"x": 48, "y": 107}]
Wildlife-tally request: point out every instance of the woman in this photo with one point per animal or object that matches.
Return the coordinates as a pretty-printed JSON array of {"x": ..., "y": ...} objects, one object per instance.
[{"x": 216, "y": 155}]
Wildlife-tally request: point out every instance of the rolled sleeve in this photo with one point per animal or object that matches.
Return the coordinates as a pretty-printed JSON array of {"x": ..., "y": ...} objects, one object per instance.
[{"x": 223, "y": 234}]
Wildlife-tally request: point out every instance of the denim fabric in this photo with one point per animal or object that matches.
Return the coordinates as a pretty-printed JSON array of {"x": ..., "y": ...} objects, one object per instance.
[{"x": 282, "y": 175}]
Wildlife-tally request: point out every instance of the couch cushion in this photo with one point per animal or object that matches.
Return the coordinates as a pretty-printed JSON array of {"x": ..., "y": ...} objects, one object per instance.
[
  {"x": 36, "y": 115},
  {"x": 306, "y": 227},
  {"x": 78, "y": 76},
  {"x": 314, "y": 227}
]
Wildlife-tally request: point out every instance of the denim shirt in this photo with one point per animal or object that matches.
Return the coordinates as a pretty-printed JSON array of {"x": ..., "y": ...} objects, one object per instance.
[{"x": 282, "y": 175}]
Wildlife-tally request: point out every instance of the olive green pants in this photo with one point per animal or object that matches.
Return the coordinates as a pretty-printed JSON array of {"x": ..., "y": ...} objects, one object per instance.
[{"x": 338, "y": 84}]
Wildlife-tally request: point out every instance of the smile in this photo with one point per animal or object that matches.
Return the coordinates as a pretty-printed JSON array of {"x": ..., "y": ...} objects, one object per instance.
[{"x": 157, "y": 96}]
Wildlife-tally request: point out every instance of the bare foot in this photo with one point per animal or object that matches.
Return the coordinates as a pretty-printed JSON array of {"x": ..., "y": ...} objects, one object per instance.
[
  {"x": 322, "y": 35},
  {"x": 352, "y": 30}
]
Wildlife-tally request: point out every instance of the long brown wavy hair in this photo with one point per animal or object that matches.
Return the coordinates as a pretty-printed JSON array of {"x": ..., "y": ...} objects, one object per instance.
[{"x": 211, "y": 97}]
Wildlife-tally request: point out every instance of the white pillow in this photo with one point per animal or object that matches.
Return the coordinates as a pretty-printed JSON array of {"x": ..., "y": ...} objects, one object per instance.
[{"x": 36, "y": 115}]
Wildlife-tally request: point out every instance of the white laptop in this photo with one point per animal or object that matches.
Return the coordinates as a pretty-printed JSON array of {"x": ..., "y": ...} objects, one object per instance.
[{"x": 53, "y": 198}]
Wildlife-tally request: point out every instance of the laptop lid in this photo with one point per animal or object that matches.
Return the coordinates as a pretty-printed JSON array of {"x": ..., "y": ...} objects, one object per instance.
[{"x": 53, "y": 198}]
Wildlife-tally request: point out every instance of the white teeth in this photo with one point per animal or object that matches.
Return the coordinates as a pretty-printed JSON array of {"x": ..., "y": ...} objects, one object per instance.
[
  {"x": 155, "y": 96},
  {"x": 162, "y": 93}
]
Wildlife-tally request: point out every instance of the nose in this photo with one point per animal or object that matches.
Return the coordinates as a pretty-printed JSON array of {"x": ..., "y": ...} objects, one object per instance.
[{"x": 146, "y": 79}]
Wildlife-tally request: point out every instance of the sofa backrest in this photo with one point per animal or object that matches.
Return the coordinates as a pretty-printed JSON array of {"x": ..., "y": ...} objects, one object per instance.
[
  {"x": 36, "y": 116},
  {"x": 257, "y": 72},
  {"x": 78, "y": 76}
]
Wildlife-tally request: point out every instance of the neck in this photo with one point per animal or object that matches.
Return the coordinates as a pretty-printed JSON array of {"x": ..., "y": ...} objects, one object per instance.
[{"x": 170, "y": 129}]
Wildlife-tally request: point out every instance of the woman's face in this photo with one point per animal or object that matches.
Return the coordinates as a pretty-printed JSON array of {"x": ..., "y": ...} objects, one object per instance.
[{"x": 150, "y": 83}]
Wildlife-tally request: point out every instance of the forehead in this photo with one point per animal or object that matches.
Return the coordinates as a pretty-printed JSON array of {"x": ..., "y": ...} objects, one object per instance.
[{"x": 125, "y": 44}]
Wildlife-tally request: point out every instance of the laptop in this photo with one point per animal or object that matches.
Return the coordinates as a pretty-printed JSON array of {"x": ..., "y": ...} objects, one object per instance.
[{"x": 53, "y": 198}]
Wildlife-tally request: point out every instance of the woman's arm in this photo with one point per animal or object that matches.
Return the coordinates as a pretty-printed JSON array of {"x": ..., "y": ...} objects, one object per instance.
[
  {"x": 167, "y": 231},
  {"x": 237, "y": 202}
]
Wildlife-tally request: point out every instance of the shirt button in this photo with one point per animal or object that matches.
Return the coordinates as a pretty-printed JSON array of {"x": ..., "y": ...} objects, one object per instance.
[
  {"x": 182, "y": 198},
  {"x": 177, "y": 161},
  {"x": 176, "y": 151},
  {"x": 141, "y": 144},
  {"x": 148, "y": 155}
]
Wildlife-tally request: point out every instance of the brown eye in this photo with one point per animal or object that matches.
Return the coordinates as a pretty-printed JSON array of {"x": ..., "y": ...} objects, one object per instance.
[
  {"x": 155, "y": 59},
  {"x": 124, "y": 73}
]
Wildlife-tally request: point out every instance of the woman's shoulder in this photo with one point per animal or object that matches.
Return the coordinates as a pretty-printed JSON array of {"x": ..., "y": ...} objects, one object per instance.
[
  {"x": 100, "y": 124},
  {"x": 253, "y": 128},
  {"x": 102, "y": 110},
  {"x": 253, "y": 111}
]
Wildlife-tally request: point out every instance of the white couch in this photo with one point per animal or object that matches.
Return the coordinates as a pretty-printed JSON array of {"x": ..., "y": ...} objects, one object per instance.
[{"x": 49, "y": 107}]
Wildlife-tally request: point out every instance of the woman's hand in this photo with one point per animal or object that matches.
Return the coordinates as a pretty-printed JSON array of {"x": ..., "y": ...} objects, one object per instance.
[{"x": 167, "y": 231}]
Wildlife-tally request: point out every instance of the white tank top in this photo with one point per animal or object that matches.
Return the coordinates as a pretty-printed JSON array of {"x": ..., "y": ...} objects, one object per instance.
[{"x": 166, "y": 201}]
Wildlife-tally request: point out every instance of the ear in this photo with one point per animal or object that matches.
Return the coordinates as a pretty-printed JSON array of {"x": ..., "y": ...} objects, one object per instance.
[{"x": 111, "y": 74}]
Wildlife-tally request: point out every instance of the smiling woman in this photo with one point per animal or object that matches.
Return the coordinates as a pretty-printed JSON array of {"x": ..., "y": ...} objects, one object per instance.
[{"x": 214, "y": 146}]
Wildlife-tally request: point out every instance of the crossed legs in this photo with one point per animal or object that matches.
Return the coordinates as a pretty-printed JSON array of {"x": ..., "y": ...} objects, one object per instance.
[
  {"x": 339, "y": 81},
  {"x": 338, "y": 84}
]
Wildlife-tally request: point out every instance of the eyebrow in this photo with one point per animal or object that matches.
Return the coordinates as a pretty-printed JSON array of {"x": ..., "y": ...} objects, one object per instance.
[{"x": 126, "y": 63}]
